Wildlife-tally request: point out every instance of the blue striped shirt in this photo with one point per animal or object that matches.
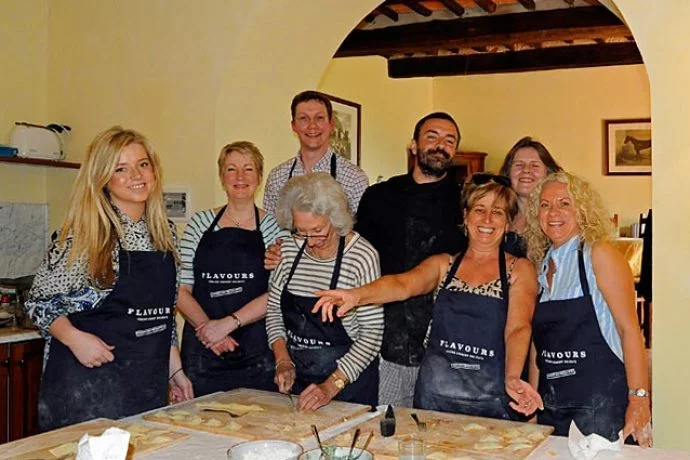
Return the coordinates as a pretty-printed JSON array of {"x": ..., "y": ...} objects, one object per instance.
[{"x": 566, "y": 285}]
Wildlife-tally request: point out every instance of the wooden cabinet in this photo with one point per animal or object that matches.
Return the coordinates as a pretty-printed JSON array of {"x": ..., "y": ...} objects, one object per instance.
[
  {"x": 463, "y": 164},
  {"x": 21, "y": 364}
]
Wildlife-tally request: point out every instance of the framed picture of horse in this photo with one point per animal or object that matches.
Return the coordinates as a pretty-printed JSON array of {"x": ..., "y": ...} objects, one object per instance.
[{"x": 628, "y": 146}]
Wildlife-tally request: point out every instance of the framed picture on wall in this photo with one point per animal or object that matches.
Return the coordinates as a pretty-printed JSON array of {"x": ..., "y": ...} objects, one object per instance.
[
  {"x": 346, "y": 137},
  {"x": 177, "y": 203},
  {"x": 628, "y": 146}
]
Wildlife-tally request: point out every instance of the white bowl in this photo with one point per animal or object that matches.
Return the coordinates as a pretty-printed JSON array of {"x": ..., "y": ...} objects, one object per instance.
[
  {"x": 336, "y": 453},
  {"x": 265, "y": 450}
]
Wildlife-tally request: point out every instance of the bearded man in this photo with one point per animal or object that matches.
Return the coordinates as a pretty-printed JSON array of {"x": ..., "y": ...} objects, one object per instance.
[{"x": 409, "y": 218}]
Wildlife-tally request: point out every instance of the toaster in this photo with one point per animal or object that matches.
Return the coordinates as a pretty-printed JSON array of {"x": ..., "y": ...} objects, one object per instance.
[{"x": 38, "y": 141}]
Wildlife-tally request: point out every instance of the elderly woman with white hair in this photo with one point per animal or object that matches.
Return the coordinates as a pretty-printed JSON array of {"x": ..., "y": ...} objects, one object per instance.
[{"x": 322, "y": 361}]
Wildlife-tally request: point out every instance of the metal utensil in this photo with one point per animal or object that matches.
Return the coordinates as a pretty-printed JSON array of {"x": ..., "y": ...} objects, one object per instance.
[
  {"x": 421, "y": 426},
  {"x": 366, "y": 444},
  {"x": 225, "y": 411},
  {"x": 318, "y": 440},
  {"x": 292, "y": 402},
  {"x": 352, "y": 445}
]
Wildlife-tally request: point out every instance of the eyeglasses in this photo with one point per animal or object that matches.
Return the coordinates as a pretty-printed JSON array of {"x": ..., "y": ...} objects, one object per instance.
[
  {"x": 304, "y": 236},
  {"x": 483, "y": 178}
]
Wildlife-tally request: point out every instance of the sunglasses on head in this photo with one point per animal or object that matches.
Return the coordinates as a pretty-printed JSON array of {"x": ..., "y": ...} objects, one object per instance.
[{"x": 483, "y": 178}]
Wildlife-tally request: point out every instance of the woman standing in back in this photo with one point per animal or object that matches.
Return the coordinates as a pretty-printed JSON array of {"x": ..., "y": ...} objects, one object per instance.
[
  {"x": 104, "y": 296},
  {"x": 526, "y": 163}
]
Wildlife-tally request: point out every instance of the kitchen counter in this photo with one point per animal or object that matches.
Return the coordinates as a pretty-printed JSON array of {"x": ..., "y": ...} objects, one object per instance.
[
  {"x": 14, "y": 334},
  {"x": 206, "y": 446}
]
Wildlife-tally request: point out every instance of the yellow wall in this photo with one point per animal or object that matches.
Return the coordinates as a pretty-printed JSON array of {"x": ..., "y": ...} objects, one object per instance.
[
  {"x": 152, "y": 66},
  {"x": 23, "y": 47},
  {"x": 390, "y": 109},
  {"x": 662, "y": 35},
  {"x": 564, "y": 109}
]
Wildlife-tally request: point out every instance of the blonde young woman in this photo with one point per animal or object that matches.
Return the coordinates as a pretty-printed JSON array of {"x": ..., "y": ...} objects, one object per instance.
[
  {"x": 590, "y": 363},
  {"x": 104, "y": 295},
  {"x": 224, "y": 286}
]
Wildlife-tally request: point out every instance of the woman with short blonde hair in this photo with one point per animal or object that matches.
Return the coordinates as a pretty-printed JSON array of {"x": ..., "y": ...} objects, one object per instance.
[
  {"x": 104, "y": 295},
  {"x": 223, "y": 288}
]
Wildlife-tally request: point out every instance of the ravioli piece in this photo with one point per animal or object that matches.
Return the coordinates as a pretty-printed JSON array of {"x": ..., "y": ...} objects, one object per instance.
[
  {"x": 213, "y": 422},
  {"x": 520, "y": 440},
  {"x": 64, "y": 449},
  {"x": 487, "y": 446},
  {"x": 518, "y": 446},
  {"x": 535, "y": 436},
  {"x": 181, "y": 413},
  {"x": 159, "y": 440},
  {"x": 194, "y": 420},
  {"x": 512, "y": 433},
  {"x": 474, "y": 427},
  {"x": 232, "y": 426},
  {"x": 488, "y": 438},
  {"x": 161, "y": 414}
]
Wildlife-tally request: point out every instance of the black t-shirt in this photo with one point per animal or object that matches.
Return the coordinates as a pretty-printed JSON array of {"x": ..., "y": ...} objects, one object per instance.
[{"x": 408, "y": 222}]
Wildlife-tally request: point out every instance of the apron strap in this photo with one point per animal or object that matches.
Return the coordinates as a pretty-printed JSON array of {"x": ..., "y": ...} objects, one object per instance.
[
  {"x": 338, "y": 263},
  {"x": 504, "y": 276},
  {"x": 292, "y": 169},
  {"x": 216, "y": 219},
  {"x": 453, "y": 269},
  {"x": 256, "y": 218},
  {"x": 333, "y": 167},
  {"x": 583, "y": 274},
  {"x": 336, "y": 269}
]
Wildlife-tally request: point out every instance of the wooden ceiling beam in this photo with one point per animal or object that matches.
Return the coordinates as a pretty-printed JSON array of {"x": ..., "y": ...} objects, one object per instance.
[
  {"x": 388, "y": 12},
  {"x": 454, "y": 7},
  {"x": 519, "y": 61},
  {"x": 417, "y": 7},
  {"x": 487, "y": 5},
  {"x": 528, "y": 4},
  {"x": 565, "y": 24}
]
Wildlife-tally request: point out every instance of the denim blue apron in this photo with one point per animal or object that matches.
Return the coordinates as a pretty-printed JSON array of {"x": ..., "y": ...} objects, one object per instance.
[
  {"x": 580, "y": 378},
  {"x": 228, "y": 274},
  {"x": 463, "y": 370},
  {"x": 315, "y": 345},
  {"x": 135, "y": 318}
]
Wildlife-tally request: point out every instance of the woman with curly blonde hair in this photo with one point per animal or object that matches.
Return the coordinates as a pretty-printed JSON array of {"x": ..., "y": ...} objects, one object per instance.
[
  {"x": 587, "y": 356},
  {"x": 104, "y": 295}
]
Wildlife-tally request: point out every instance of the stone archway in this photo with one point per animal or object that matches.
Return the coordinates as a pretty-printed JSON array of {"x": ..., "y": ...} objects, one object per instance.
[{"x": 266, "y": 69}]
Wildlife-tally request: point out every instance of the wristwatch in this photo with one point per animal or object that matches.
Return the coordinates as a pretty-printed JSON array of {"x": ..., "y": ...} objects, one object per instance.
[
  {"x": 339, "y": 382},
  {"x": 640, "y": 393}
]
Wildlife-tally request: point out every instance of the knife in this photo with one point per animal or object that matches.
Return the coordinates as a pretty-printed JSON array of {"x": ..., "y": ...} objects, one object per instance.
[
  {"x": 388, "y": 422},
  {"x": 292, "y": 402}
]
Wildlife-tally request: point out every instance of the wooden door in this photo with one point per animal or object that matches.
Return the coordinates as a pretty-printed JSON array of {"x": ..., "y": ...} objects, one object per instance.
[
  {"x": 4, "y": 386},
  {"x": 26, "y": 364}
]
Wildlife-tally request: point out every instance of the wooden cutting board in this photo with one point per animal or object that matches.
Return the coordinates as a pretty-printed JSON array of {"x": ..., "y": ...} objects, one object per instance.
[
  {"x": 277, "y": 421},
  {"x": 143, "y": 439},
  {"x": 452, "y": 436}
]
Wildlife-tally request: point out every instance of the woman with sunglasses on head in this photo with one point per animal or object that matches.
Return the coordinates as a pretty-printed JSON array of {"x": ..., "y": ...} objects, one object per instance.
[
  {"x": 104, "y": 296},
  {"x": 588, "y": 355},
  {"x": 322, "y": 360},
  {"x": 224, "y": 286},
  {"x": 481, "y": 326},
  {"x": 525, "y": 164}
]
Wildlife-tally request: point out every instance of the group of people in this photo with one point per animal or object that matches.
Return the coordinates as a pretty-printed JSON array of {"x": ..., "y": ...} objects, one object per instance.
[{"x": 480, "y": 282}]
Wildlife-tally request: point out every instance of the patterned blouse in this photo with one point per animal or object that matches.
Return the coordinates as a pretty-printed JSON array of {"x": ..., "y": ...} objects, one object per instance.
[{"x": 60, "y": 289}]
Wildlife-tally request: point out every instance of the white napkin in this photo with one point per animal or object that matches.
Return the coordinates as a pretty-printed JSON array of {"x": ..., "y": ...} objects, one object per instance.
[
  {"x": 587, "y": 447},
  {"x": 111, "y": 445}
]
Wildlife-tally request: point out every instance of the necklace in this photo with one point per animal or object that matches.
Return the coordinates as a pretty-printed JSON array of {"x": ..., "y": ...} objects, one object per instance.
[{"x": 235, "y": 222}]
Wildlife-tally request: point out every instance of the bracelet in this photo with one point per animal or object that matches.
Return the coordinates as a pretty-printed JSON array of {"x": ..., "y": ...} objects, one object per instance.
[
  {"x": 174, "y": 374},
  {"x": 238, "y": 323},
  {"x": 284, "y": 361}
]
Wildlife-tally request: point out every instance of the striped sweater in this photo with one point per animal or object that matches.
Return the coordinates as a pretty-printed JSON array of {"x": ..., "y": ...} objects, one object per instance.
[{"x": 360, "y": 266}]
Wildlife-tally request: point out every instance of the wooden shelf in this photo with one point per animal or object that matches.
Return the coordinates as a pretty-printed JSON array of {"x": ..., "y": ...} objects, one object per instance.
[{"x": 41, "y": 162}]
